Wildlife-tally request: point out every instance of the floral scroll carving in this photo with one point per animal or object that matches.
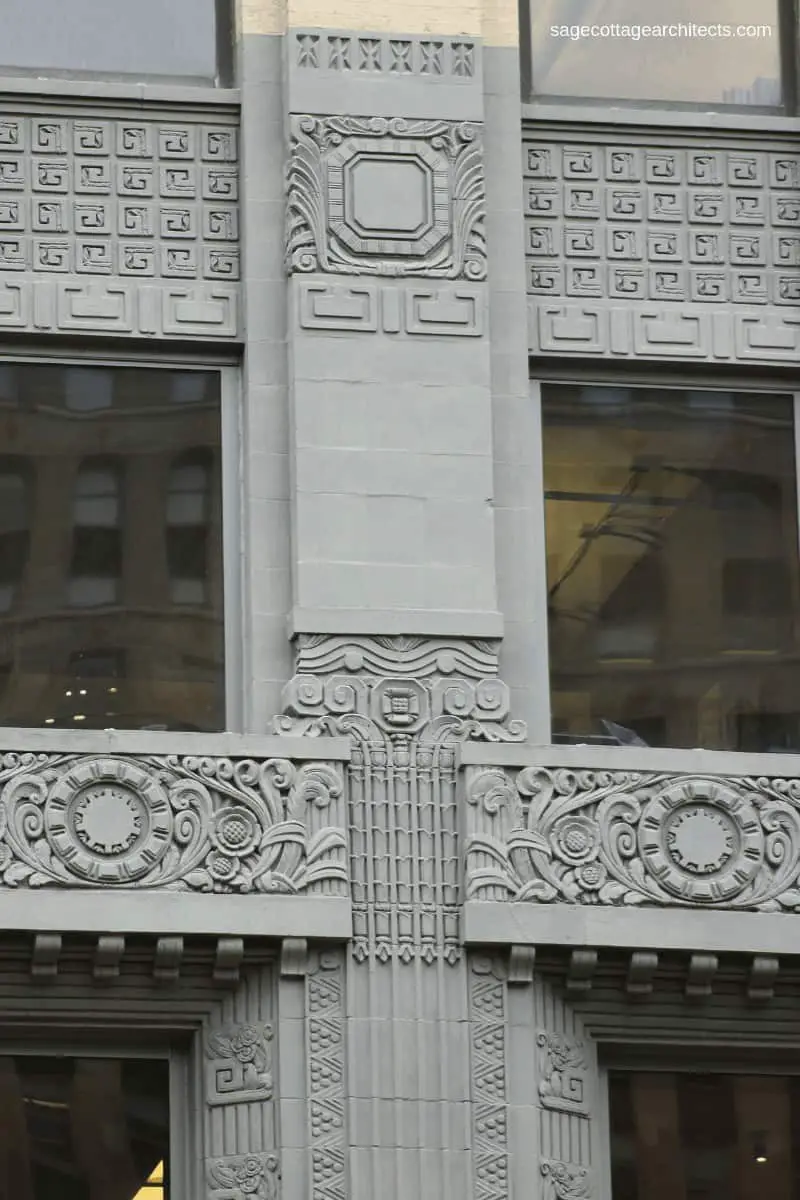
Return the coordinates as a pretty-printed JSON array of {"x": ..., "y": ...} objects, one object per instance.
[
  {"x": 562, "y": 1073},
  {"x": 565, "y": 1181},
  {"x": 178, "y": 822},
  {"x": 628, "y": 838},
  {"x": 238, "y": 1064},
  {"x": 243, "y": 1177},
  {"x": 336, "y": 161}
]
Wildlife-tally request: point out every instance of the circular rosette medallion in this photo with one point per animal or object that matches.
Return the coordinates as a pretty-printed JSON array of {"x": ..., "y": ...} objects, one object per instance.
[
  {"x": 108, "y": 821},
  {"x": 701, "y": 840}
]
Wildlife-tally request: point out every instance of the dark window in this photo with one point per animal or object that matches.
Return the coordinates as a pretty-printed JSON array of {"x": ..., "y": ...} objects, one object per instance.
[
  {"x": 186, "y": 39},
  {"x": 124, "y": 464},
  {"x": 600, "y": 50},
  {"x": 78, "y": 1127},
  {"x": 704, "y": 1136},
  {"x": 14, "y": 528},
  {"x": 189, "y": 527},
  {"x": 673, "y": 570}
]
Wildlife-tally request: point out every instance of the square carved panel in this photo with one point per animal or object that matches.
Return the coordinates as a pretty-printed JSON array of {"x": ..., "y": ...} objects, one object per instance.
[{"x": 380, "y": 196}]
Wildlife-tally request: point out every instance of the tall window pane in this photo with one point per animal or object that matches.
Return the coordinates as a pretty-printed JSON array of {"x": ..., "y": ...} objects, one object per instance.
[
  {"x": 575, "y": 52},
  {"x": 111, "y": 578},
  {"x": 97, "y": 535},
  {"x": 14, "y": 527},
  {"x": 148, "y": 38},
  {"x": 673, "y": 580},
  {"x": 79, "y": 1127},
  {"x": 189, "y": 527}
]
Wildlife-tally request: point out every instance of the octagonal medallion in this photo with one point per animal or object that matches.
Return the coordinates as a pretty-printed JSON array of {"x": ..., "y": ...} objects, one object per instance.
[{"x": 388, "y": 197}]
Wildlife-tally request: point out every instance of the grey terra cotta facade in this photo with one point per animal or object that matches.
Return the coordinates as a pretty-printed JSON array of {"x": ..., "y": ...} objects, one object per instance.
[{"x": 374, "y": 240}]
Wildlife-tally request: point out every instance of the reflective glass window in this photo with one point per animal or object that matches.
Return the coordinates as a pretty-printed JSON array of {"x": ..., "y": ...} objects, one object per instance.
[
  {"x": 111, "y": 580},
  {"x": 580, "y": 49},
  {"x": 693, "y": 1136},
  {"x": 185, "y": 39},
  {"x": 79, "y": 1127},
  {"x": 673, "y": 567}
]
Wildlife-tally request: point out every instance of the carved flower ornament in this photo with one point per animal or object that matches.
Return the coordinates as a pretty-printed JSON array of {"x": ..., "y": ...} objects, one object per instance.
[{"x": 576, "y": 840}]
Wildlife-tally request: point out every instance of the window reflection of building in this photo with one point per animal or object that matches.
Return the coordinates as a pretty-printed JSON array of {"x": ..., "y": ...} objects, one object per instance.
[
  {"x": 672, "y": 546},
  {"x": 97, "y": 540},
  {"x": 110, "y": 548},
  {"x": 686, "y": 1135},
  {"x": 188, "y": 527}
]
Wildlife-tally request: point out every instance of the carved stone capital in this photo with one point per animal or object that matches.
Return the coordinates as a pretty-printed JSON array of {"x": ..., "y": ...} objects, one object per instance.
[{"x": 405, "y": 702}]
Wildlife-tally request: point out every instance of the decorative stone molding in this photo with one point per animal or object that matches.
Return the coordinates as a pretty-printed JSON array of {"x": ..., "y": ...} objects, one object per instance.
[
  {"x": 243, "y": 1177},
  {"x": 563, "y": 1077},
  {"x": 172, "y": 821},
  {"x": 325, "y": 1029},
  {"x": 674, "y": 250},
  {"x": 565, "y": 1181},
  {"x": 401, "y": 309},
  {"x": 423, "y": 58},
  {"x": 487, "y": 995},
  {"x": 405, "y": 702},
  {"x": 633, "y": 838},
  {"x": 386, "y": 196},
  {"x": 119, "y": 225},
  {"x": 239, "y": 1064}
]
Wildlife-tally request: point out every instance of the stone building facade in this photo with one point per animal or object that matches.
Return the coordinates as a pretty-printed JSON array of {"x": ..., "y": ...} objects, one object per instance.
[{"x": 399, "y": 603}]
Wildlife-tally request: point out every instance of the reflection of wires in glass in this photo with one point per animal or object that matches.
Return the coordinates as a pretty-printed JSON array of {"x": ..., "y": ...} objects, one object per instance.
[{"x": 616, "y": 523}]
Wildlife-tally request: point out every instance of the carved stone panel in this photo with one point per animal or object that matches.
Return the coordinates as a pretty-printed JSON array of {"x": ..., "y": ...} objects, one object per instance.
[
  {"x": 238, "y": 1064},
  {"x": 243, "y": 1177},
  {"x": 386, "y": 196},
  {"x": 122, "y": 225},
  {"x": 173, "y": 821},
  {"x": 563, "y": 1078},
  {"x": 633, "y": 838},
  {"x": 421, "y": 57},
  {"x": 565, "y": 1181},
  {"x": 678, "y": 250}
]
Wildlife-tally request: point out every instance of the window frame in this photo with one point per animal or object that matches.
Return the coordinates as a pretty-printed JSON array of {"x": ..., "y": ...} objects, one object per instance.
[
  {"x": 181, "y": 1132},
  {"x": 546, "y": 106},
  {"x": 232, "y": 497},
  {"x": 540, "y": 731}
]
